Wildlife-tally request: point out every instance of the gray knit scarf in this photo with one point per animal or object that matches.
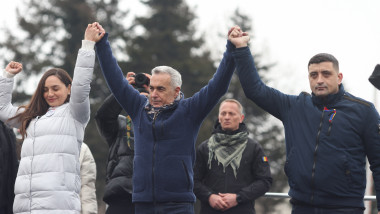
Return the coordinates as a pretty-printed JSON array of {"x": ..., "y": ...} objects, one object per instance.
[{"x": 227, "y": 149}]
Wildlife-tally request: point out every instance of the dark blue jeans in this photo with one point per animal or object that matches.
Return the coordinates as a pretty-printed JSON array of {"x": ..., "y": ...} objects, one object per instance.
[
  {"x": 164, "y": 208},
  {"x": 300, "y": 209}
]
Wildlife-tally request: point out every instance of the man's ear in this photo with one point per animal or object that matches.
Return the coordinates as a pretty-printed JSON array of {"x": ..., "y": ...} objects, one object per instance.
[
  {"x": 340, "y": 76},
  {"x": 177, "y": 90},
  {"x": 242, "y": 118},
  {"x": 69, "y": 88}
]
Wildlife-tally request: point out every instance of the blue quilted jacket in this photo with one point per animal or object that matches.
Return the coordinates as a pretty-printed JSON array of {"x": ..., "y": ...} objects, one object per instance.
[
  {"x": 327, "y": 140},
  {"x": 165, "y": 142}
]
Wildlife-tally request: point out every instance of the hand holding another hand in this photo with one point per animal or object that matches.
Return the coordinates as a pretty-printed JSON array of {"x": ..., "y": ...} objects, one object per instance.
[
  {"x": 94, "y": 32},
  {"x": 229, "y": 199},
  {"x": 217, "y": 202},
  {"x": 238, "y": 37}
]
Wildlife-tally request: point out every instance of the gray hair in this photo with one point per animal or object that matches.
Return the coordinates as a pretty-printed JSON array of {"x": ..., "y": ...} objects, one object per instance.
[
  {"x": 234, "y": 101},
  {"x": 175, "y": 76}
]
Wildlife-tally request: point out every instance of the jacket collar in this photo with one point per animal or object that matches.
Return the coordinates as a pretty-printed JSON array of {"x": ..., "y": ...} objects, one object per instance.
[
  {"x": 149, "y": 108},
  {"x": 329, "y": 99},
  {"x": 58, "y": 107}
]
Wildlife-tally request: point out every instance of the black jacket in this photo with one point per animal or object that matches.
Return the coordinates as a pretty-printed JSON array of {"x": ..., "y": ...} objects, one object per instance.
[
  {"x": 375, "y": 77},
  {"x": 113, "y": 127},
  {"x": 8, "y": 168},
  {"x": 253, "y": 177}
]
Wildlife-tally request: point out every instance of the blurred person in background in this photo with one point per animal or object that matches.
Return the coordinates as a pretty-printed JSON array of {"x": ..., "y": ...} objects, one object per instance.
[
  {"x": 231, "y": 170},
  {"x": 88, "y": 200},
  {"x": 118, "y": 132},
  {"x": 8, "y": 168}
]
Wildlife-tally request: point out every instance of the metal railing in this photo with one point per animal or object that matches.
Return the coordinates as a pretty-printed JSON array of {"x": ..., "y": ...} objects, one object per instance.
[{"x": 285, "y": 195}]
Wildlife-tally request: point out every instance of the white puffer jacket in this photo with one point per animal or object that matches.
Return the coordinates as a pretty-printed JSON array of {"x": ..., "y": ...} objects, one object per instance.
[{"x": 48, "y": 178}]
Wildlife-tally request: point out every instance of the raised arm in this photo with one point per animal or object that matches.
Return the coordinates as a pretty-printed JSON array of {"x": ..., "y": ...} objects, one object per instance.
[
  {"x": 271, "y": 100},
  {"x": 7, "y": 110},
  {"x": 84, "y": 68},
  {"x": 125, "y": 94},
  {"x": 205, "y": 100},
  {"x": 107, "y": 119}
]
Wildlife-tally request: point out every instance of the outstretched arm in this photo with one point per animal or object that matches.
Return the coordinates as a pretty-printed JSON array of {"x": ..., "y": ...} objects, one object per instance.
[
  {"x": 107, "y": 119},
  {"x": 7, "y": 110},
  {"x": 84, "y": 68},
  {"x": 269, "y": 99},
  {"x": 205, "y": 100},
  {"x": 125, "y": 94}
]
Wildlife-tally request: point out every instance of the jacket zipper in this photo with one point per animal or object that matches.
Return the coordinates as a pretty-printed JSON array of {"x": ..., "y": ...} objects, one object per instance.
[
  {"x": 154, "y": 155},
  {"x": 31, "y": 163},
  {"x": 329, "y": 130},
  {"x": 315, "y": 158},
  {"x": 332, "y": 115}
]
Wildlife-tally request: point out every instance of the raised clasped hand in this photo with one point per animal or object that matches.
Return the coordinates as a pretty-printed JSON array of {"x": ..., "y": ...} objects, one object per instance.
[
  {"x": 94, "y": 32},
  {"x": 238, "y": 37}
]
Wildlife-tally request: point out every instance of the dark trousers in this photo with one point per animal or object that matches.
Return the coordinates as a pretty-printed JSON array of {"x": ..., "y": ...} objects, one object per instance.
[
  {"x": 121, "y": 207},
  {"x": 6, "y": 209},
  {"x": 164, "y": 208},
  {"x": 301, "y": 209}
]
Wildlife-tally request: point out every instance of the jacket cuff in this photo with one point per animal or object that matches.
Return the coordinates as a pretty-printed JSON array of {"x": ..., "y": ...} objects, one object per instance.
[
  {"x": 230, "y": 47},
  {"x": 241, "y": 52},
  {"x": 7, "y": 74},
  {"x": 88, "y": 45},
  {"x": 103, "y": 40},
  {"x": 239, "y": 199}
]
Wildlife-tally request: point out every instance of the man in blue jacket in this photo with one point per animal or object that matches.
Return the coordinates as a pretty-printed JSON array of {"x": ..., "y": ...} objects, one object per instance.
[
  {"x": 328, "y": 135},
  {"x": 166, "y": 127}
]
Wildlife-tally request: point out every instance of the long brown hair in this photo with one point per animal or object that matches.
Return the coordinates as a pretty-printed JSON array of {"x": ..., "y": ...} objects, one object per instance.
[{"x": 38, "y": 105}]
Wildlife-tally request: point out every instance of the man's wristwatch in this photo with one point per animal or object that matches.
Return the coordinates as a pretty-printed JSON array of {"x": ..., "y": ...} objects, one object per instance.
[{"x": 239, "y": 200}]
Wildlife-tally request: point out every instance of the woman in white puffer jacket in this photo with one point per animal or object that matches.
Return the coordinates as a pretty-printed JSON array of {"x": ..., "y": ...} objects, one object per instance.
[{"x": 52, "y": 126}]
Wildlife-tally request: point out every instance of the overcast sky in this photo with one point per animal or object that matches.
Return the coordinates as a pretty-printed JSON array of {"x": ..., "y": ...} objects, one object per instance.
[{"x": 289, "y": 33}]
